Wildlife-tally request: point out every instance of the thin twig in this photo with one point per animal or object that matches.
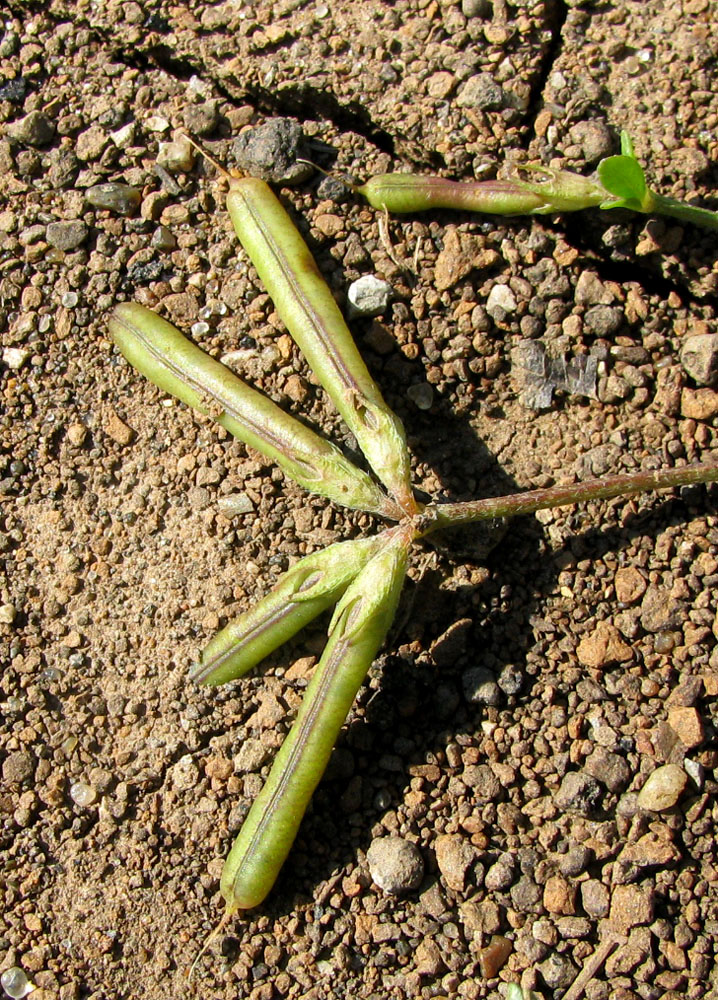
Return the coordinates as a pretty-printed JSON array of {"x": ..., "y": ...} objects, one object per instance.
[
  {"x": 595, "y": 962},
  {"x": 383, "y": 225}
]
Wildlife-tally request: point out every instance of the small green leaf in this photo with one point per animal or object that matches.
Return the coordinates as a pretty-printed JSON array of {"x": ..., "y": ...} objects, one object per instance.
[
  {"x": 516, "y": 992},
  {"x": 624, "y": 178},
  {"x": 627, "y": 145}
]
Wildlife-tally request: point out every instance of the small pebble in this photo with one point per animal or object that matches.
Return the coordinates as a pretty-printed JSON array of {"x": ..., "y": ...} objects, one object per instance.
[
  {"x": 368, "y": 296},
  {"x": 494, "y": 956},
  {"x": 421, "y": 395},
  {"x": 501, "y": 874},
  {"x": 557, "y": 971},
  {"x": 603, "y": 320},
  {"x": 455, "y": 857},
  {"x": 559, "y": 895},
  {"x": 90, "y": 144},
  {"x": 82, "y": 794},
  {"x": 480, "y": 687},
  {"x": 699, "y": 357},
  {"x": 660, "y": 611},
  {"x": 15, "y": 357},
  {"x": 476, "y": 8},
  {"x": 177, "y": 156},
  {"x": 687, "y": 724},
  {"x": 113, "y": 197},
  {"x": 234, "y": 504},
  {"x": 591, "y": 291},
  {"x": 252, "y": 754},
  {"x": 578, "y": 792},
  {"x": 7, "y": 614},
  {"x": 156, "y": 124},
  {"x": 511, "y": 679},
  {"x": 595, "y": 139},
  {"x": 163, "y": 239},
  {"x": 76, "y": 434},
  {"x": 501, "y": 300},
  {"x": 699, "y": 404},
  {"x": 483, "y": 92},
  {"x": 632, "y": 906},
  {"x": 595, "y": 898},
  {"x": 610, "y": 769},
  {"x": 630, "y": 584},
  {"x": 428, "y": 960},
  {"x": 123, "y": 136},
  {"x": 18, "y": 767},
  {"x": 118, "y": 430},
  {"x": 602, "y": 647},
  {"x": 663, "y": 788},
  {"x": 34, "y": 129},
  {"x": 395, "y": 865},
  {"x": 185, "y": 773},
  {"x": 14, "y": 90},
  {"x": 67, "y": 235},
  {"x": 202, "y": 119},
  {"x": 70, "y": 299},
  {"x": 271, "y": 151},
  {"x": 15, "y": 983}
]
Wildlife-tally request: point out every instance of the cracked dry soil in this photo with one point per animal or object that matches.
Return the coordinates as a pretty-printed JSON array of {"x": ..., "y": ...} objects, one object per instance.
[{"x": 526, "y": 696}]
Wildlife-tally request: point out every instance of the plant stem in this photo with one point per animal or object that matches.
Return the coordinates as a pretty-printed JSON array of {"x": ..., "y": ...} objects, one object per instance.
[
  {"x": 660, "y": 205},
  {"x": 438, "y": 516}
]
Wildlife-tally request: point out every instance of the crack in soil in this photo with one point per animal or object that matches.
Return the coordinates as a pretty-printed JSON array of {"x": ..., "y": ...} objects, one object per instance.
[{"x": 556, "y": 15}]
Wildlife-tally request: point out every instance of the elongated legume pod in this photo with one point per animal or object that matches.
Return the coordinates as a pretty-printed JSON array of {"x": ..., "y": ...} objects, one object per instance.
[
  {"x": 357, "y": 630},
  {"x": 558, "y": 191},
  {"x": 176, "y": 365},
  {"x": 308, "y": 309},
  {"x": 311, "y": 586}
]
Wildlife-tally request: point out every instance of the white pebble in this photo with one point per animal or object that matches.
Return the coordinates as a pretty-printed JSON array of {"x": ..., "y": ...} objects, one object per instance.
[
  {"x": 663, "y": 788},
  {"x": 235, "y": 503},
  {"x": 123, "y": 136},
  {"x": 198, "y": 86},
  {"x": 368, "y": 296},
  {"x": 177, "y": 156},
  {"x": 15, "y": 983},
  {"x": 156, "y": 124},
  {"x": 7, "y": 614},
  {"x": 83, "y": 795},
  {"x": 15, "y": 357},
  {"x": 500, "y": 298},
  {"x": 185, "y": 773}
]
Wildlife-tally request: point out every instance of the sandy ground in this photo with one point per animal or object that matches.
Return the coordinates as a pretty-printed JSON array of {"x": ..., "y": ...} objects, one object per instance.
[{"x": 525, "y": 695}]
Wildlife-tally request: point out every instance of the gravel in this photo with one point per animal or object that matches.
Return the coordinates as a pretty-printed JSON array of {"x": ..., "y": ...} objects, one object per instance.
[{"x": 122, "y": 562}]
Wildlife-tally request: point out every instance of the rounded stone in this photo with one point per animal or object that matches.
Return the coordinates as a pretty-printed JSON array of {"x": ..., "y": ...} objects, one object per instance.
[
  {"x": 369, "y": 296},
  {"x": 663, "y": 788},
  {"x": 395, "y": 865},
  {"x": 120, "y": 198}
]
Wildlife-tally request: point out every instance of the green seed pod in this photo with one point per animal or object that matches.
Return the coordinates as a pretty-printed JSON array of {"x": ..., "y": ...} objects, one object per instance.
[
  {"x": 559, "y": 191},
  {"x": 357, "y": 630},
  {"x": 166, "y": 357},
  {"x": 308, "y": 309},
  {"x": 311, "y": 586}
]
